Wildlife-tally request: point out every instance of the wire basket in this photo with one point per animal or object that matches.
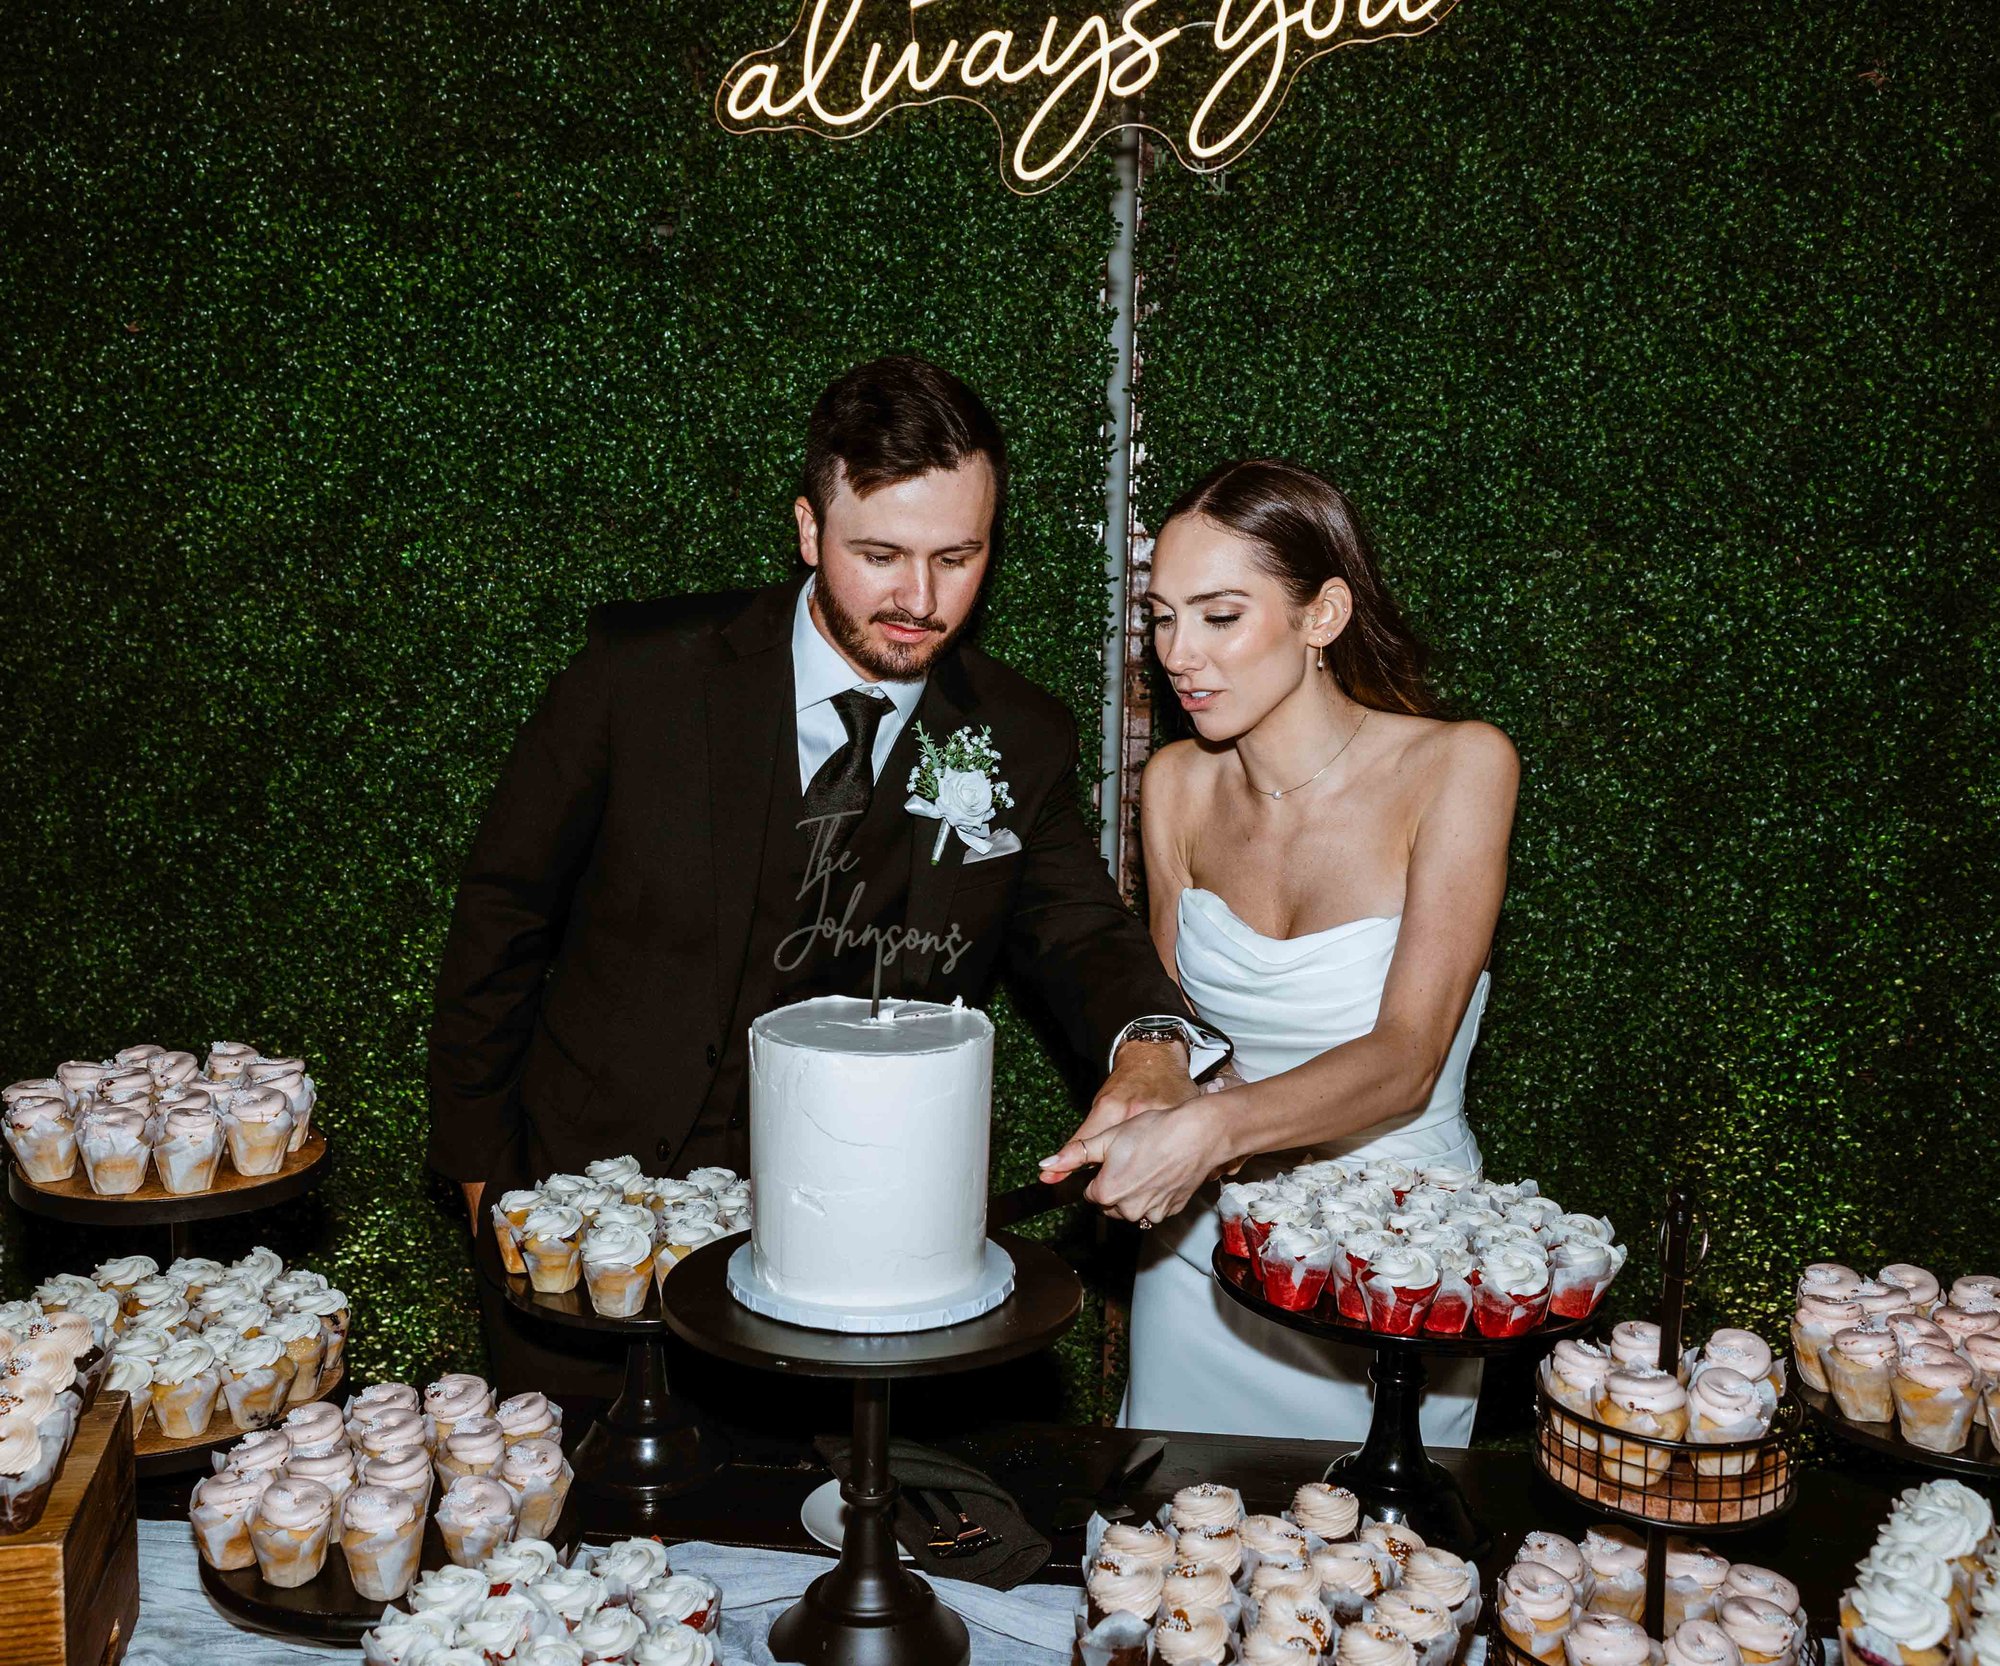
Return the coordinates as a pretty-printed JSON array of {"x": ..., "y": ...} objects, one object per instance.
[{"x": 1674, "y": 1483}]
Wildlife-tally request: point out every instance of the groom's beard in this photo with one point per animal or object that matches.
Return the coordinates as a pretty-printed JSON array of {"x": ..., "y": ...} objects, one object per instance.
[{"x": 894, "y": 661}]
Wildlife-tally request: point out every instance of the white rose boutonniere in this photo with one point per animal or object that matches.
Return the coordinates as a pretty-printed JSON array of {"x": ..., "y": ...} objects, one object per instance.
[{"x": 958, "y": 786}]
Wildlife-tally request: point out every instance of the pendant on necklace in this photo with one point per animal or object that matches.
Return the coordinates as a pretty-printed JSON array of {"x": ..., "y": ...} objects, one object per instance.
[{"x": 1280, "y": 793}]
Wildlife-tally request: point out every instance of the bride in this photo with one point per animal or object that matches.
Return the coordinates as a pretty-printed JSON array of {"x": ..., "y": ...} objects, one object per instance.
[{"x": 1325, "y": 861}]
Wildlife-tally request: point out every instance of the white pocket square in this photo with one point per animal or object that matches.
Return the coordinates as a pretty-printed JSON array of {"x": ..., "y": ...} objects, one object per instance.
[{"x": 1005, "y": 843}]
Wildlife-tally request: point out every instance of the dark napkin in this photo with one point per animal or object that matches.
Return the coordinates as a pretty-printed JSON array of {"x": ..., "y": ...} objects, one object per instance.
[{"x": 1021, "y": 1552}]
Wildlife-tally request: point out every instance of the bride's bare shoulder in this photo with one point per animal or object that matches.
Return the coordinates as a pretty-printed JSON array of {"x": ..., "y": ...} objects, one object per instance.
[{"x": 1463, "y": 756}]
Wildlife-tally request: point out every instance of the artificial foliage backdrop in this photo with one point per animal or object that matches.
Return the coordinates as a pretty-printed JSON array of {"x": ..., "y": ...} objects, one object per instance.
[{"x": 352, "y": 351}]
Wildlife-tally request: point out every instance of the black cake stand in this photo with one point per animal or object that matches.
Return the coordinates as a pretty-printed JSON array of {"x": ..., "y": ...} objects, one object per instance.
[
  {"x": 870, "y": 1610},
  {"x": 1392, "y": 1474},
  {"x": 648, "y": 1445}
]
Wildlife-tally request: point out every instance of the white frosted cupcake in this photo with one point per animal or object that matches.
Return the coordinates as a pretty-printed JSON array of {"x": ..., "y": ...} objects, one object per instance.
[
  {"x": 509, "y": 1216},
  {"x": 131, "y": 1374},
  {"x": 111, "y": 1140},
  {"x": 617, "y": 1263},
  {"x": 186, "y": 1383},
  {"x": 329, "y": 1307},
  {"x": 42, "y": 1135},
  {"x": 1329, "y": 1512},
  {"x": 304, "y": 1342},
  {"x": 256, "y": 1381},
  {"x": 259, "y": 1125},
  {"x": 551, "y": 1248}
]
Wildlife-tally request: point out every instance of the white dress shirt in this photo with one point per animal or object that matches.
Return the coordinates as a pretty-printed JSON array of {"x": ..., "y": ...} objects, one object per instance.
[{"x": 818, "y": 674}]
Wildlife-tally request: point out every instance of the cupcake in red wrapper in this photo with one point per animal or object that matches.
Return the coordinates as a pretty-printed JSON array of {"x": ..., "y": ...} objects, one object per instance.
[
  {"x": 1293, "y": 1264},
  {"x": 1512, "y": 1295},
  {"x": 1580, "y": 1271},
  {"x": 1237, "y": 1196},
  {"x": 1357, "y": 1249},
  {"x": 1398, "y": 1285},
  {"x": 1271, "y": 1210},
  {"x": 1451, "y": 1308}
]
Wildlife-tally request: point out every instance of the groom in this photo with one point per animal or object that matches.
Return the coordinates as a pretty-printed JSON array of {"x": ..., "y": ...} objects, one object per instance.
[{"x": 709, "y": 817}]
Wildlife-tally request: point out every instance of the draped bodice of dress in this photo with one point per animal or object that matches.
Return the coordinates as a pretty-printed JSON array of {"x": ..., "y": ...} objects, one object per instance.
[{"x": 1284, "y": 1000}]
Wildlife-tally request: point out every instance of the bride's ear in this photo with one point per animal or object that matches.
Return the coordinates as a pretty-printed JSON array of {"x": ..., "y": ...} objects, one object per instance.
[{"x": 1328, "y": 613}]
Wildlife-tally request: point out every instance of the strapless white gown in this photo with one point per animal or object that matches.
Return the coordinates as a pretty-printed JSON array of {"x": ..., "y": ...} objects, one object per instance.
[{"x": 1199, "y": 1361}]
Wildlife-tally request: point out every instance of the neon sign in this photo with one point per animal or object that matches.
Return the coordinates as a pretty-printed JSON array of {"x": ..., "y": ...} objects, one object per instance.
[{"x": 1055, "y": 85}]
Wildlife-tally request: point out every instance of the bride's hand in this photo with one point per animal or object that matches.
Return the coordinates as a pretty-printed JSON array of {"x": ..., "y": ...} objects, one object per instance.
[{"x": 1151, "y": 1164}]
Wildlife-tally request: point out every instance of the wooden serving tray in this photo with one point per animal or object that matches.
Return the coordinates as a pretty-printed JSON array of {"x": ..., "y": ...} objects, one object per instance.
[
  {"x": 69, "y": 1585},
  {"x": 158, "y": 1455},
  {"x": 151, "y": 1195}
]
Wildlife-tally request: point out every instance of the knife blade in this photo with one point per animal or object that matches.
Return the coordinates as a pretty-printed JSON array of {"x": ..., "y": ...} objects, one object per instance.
[
  {"x": 1132, "y": 1470},
  {"x": 1038, "y": 1197}
]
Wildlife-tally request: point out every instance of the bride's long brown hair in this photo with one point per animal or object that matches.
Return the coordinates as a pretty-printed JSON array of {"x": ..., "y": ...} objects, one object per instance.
[{"x": 1306, "y": 532}]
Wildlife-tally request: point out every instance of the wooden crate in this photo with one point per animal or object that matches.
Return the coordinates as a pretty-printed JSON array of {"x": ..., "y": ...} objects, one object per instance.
[{"x": 69, "y": 1585}]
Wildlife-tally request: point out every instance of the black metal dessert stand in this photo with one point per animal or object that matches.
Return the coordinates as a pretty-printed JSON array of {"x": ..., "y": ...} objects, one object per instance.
[
  {"x": 327, "y": 1608},
  {"x": 72, "y": 1202},
  {"x": 1391, "y": 1473},
  {"x": 869, "y": 1610},
  {"x": 1684, "y": 1499},
  {"x": 648, "y": 1445}
]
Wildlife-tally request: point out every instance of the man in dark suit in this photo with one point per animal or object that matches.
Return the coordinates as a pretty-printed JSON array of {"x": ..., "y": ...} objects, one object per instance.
[{"x": 707, "y": 819}]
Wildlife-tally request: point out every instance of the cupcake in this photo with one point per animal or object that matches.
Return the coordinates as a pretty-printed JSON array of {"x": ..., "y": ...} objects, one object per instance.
[
  {"x": 1919, "y": 1284},
  {"x": 509, "y": 1216},
  {"x": 1421, "y": 1620},
  {"x": 1828, "y": 1278},
  {"x": 315, "y": 1429},
  {"x": 676, "y": 1647},
  {"x": 381, "y": 1397},
  {"x": 609, "y": 1634},
  {"x": 1230, "y": 1210},
  {"x": 111, "y": 1140},
  {"x": 172, "y": 1069},
  {"x": 684, "y": 1232},
  {"x": 264, "y": 1453},
  {"x": 290, "y": 1525},
  {"x": 1606, "y": 1640},
  {"x": 1694, "y": 1582},
  {"x": 1764, "y": 1633},
  {"x": 1196, "y": 1639},
  {"x": 1368, "y": 1644},
  {"x": 501, "y": 1626},
  {"x": 407, "y": 1470},
  {"x": 1358, "y": 1245},
  {"x": 1352, "y": 1575},
  {"x": 1293, "y": 1266},
  {"x": 1960, "y": 1323},
  {"x": 538, "y": 1475},
  {"x": 1635, "y": 1342},
  {"x": 31, "y": 1454},
  {"x": 1138, "y": 1541},
  {"x": 304, "y": 1342},
  {"x": 1538, "y": 1606},
  {"x": 453, "y": 1594},
  {"x": 336, "y": 1471},
  {"x": 1580, "y": 1271},
  {"x": 1616, "y": 1558},
  {"x": 219, "y": 1511},
  {"x": 1982, "y": 1353},
  {"x": 1814, "y": 1323},
  {"x": 550, "y": 1248},
  {"x": 1934, "y": 1393},
  {"x": 1512, "y": 1294},
  {"x": 189, "y": 1150},
  {"x": 454, "y": 1395},
  {"x": 1114, "y": 1587},
  {"x": 42, "y": 1135},
  {"x": 1445, "y": 1578},
  {"x": 131, "y": 1374},
  {"x": 1194, "y": 1587},
  {"x": 381, "y": 1537},
  {"x": 1878, "y": 1299},
  {"x": 475, "y": 1516},
  {"x": 475, "y": 1446},
  {"x": 1399, "y": 1539},
  {"x": 259, "y": 1127},
  {"x": 1212, "y": 1546},
  {"x": 1552, "y": 1550},
  {"x": 1746, "y": 1579},
  {"x": 529, "y": 1416},
  {"x": 1451, "y": 1308},
  {"x": 1307, "y": 1617},
  {"x": 1272, "y": 1536},
  {"x": 1701, "y": 1643},
  {"x": 1329, "y": 1512},
  {"x": 1276, "y": 1578},
  {"x": 1572, "y": 1375},
  {"x": 1858, "y": 1364},
  {"x": 680, "y": 1601},
  {"x": 1747, "y": 1353},
  {"x": 1397, "y": 1286},
  {"x": 569, "y": 1594},
  {"x": 1642, "y": 1401},
  {"x": 391, "y": 1429},
  {"x": 617, "y": 1268},
  {"x": 1206, "y": 1505},
  {"x": 1724, "y": 1407},
  {"x": 186, "y": 1382},
  {"x": 329, "y": 1307},
  {"x": 1976, "y": 1292},
  {"x": 256, "y": 1381},
  {"x": 628, "y": 1567}
]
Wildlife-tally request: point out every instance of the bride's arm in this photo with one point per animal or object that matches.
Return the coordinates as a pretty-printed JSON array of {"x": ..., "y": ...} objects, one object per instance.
[
  {"x": 1163, "y": 789},
  {"x": 1151, "y": 1165}
]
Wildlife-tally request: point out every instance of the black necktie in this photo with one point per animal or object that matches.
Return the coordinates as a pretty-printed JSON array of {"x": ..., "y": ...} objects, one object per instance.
[{"x": 846, "y": 781}]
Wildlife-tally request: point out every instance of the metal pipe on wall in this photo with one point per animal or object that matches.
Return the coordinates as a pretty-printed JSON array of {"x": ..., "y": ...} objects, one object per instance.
[{"x": 1122, "y": 295}]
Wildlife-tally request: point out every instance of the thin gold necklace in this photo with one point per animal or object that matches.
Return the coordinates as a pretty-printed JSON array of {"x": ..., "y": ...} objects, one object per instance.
[{"x": 1283, "y": 792}]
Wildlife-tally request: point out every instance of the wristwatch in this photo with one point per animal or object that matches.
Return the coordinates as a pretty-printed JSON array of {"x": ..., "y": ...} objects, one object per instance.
[
  {"x": 1208, "y": 1050},
  {"x": 1156, "y": 1029}
]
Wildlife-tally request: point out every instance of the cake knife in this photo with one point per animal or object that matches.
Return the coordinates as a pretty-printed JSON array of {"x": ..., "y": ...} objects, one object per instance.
[
  {"x": 1136, "y": 1465},
  {"x": 1038, "y": 1197}
]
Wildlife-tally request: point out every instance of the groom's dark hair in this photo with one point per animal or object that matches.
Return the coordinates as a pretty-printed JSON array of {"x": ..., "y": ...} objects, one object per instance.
[{"x": 893, "y": 419}]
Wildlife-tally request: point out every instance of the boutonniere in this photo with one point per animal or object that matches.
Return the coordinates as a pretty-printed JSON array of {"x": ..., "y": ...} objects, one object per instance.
[{"x": 957, "y": 785}]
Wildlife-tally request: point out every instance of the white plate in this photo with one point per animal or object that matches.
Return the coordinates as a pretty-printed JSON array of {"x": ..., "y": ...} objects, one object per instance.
[{"x": 825, "y": 1518}]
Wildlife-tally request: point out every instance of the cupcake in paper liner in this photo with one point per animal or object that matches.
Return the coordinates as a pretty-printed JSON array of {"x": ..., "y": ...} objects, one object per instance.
[
  {"x": 1352, "y": 1575},
  {"x": 257, "y": 1381},
  {"x": 1446, "y": 1578},
  {"x": 1606, "y": 1640},
  {"x": 408, "y": 1470},
  {"x": 449, "y": 1595},
  {"x": 509, "y": 1216},
  {"x": 1635, "y": 1342},
  {"x": 1184, "y": 1639},
  {"x": 569, "y": 1594},
  {"x": 219, "y": 1512},
  {"x": 1572, "y": 1376},
  {"x": 227, "y": 1061},
  {"x": 74, "y": 1337},
  {"x": 41, "y": 1133},
  {"x": 455, "y": 1395},
  {"x": 1982, "y": 1353},
  {"x": 1694, "y": 1576},
  {"x": 336, "y": 1471},
  {"x": 628, "y": 1567},
  {"x": 1580, "y": 1271},
  {"x": 676, "y": 1647},
  {"x": 111, "y": 1140},
  {"x": 1538, "y": 1609},
  {"x": 1616, "y": 1558},
  {"x": 381, "y": 1537},
  {"x": 315, "y": 1430},
  {"x": 1398, "y": 1285},
  {"x": 1282, "y": 1614},
  {"x": 529, "y": 1416},
  {"x": 189, "y": 1150},
  {"x": 1231, "y": 1211},
  {"x": 259, "y": 1127},
  {"x": 1266, "y": 1537},
  {"x": 264, "y": 1453},
  {"x": 681, "y": 1601},
  {"x": 132, "y": 1375},
  {"x": 1724, "y": 1406},
  {"x": 1422, "y": 1620},
  {"x": 376, "y": 1398},
  {"x": 1746, "y": 1352},
  {"x": 1328, "y": 1512},
  {"x": 329, "y": 1306},
  {"x": 539, "y": 1476},
  {"x": 1273, "y": 1209},
  {"x": 1276, "y": 1579},
  {"x": 682, "y": 1232},
  {"x": 1564, "y": 1555},
  {"x": 617, "y": 1268},
  {"x": 1130, "y": 1541},
  {"x": 1201, "y": 1586},
  {"x": 1644, "y": 1402},
  {"x": 550, "y": 1240},
  {"x": 291, "y": 1525},
  {"x": 1764, "y": 1634},
  {"x": 304, "y": 1342},
  {"x": 1935, "y": 1392},
  {"x": 289, "y": 1077},
  {"x": 475, "y": 1516},
  {"x": 1510, "y": 1297},
  {"x": 42, "y": 1087},
  {"x": 31, "y": 1455},
  {"x": 1293, "y": 1266},
  {"x": 1450, "y": 1311},
  {"x": 1365, "y": 1643},
  {"x": 609, "y": 1634},
  {"x": 1700, "y": 1643},
  {"x": 1112, "y": 1586},
  {"x": 187, "y": 1381},
  {"x": 475, "y": 1446}
]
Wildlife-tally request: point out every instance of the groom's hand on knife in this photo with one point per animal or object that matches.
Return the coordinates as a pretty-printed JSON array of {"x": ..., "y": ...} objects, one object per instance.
[{"x": 1146, "y": 1077}]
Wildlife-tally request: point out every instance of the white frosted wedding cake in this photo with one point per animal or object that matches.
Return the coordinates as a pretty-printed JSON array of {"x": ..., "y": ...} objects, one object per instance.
[{"x": 868, "y": 1151}]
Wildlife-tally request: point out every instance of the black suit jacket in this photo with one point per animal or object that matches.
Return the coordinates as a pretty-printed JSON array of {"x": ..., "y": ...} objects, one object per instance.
[{"x": 597, "y": 950}]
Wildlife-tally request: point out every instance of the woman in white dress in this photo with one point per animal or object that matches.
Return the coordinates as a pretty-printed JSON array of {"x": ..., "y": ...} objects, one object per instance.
[{"x": 1326, "y": 860}]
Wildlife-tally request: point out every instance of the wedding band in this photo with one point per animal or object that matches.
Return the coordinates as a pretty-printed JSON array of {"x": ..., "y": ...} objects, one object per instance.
[{"x": 1145, "y": 1224}]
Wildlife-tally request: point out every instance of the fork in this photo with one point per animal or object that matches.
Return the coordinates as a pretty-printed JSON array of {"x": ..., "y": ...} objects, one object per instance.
[
  {"x": 971, "y": 1536},
  {"x": 942, "y": 1542}
]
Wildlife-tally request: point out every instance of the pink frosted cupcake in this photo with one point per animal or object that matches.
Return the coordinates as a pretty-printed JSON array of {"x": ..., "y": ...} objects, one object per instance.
[
  {"x": 111, "y": 1140},
  {"x": 1616, "y": 1558},
  {"x": 1512, "y": 1293},
  {"x": 1982, "y": 1353},
  {"x": 290, "y": 1527},
  {"x": 1635, "y": 1342},
  {"x": 1976, "y": 1292},
  {"x": 1607, "y": 1640},
  {"x": 381, "y": 1537},
  {"x": 1724, "y": 1407},
  {"x": 1398, "y": 1286},
  {"x": 42, "y": 1135},
  {"x": 1921, "y": 1284},
  {"x": 1538, "y": 1608},
  {"x": 476, "y": 1516},
  {"x": 538, "y": 1475},
  {"x": 407, "y": 1470},
  {"x": 1700, "y": 1643},
  {"x": 1814, "y": 1323},
  {"x": 1858, "y": 1365},
  {"x": 1935, "y": 1393},
  {"x": 1572, "y": 1375},
  {"x": 259, "y": 1127},
  {"x": 190, "y": 1147},
  {"x": 1828, "y": 1278},
  {"x": 475, "y": 1446},
  {"x": 219, "y": 1512},
  {"x": 529, "y": 1416},
  {"x": 1293, "y": 1265},
  {"x": 1643, "y": 1402}
]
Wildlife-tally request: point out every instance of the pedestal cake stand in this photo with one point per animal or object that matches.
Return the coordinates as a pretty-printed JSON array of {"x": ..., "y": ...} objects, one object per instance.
[
  {"x": 648, "y": 1445},
  {"x": 870, "y": 1610},
  {"x": 1392, "y": 1474}
]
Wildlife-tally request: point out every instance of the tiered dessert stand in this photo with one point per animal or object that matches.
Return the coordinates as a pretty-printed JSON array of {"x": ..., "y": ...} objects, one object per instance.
[
  {"x": 1977, "y": 1462},
  {"x": 648, "y": 1445},
  {"x": 870, "y": 1610},
  {"x": 1763, "y": 1487},
  {"x": 1392, "y": 1474},
  {"x": 72, "y": 1202}
]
